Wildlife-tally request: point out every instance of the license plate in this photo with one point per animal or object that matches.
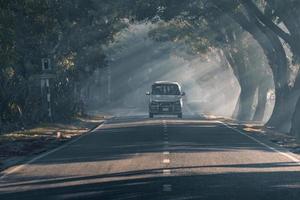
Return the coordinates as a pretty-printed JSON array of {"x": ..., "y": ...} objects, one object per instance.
[{"x": 165, "y": 109}]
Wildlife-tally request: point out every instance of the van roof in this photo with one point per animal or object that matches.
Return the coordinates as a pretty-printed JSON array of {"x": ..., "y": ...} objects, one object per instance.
[{"x": 165, "y": 82}]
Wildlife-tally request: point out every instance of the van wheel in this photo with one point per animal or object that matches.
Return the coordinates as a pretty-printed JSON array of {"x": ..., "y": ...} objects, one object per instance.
[
  {"x": 179, "y": 115},
  {"x": 151, "y": 115}
]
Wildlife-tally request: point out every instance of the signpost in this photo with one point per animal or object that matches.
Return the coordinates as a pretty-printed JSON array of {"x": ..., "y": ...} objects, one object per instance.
[
  {"x": 108, "y": 84},
  {"x": 45, "y": 78}
]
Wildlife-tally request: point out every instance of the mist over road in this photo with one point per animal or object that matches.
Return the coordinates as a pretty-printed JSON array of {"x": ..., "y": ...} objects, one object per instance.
[{"x": 161, "y": 158}]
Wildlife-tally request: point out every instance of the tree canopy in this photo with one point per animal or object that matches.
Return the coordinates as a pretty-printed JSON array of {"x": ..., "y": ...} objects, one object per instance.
[{"x": 249, "y": 34}]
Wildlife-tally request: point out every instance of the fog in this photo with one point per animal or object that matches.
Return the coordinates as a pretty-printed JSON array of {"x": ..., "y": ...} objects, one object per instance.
[{"x": 136, "y": 61}]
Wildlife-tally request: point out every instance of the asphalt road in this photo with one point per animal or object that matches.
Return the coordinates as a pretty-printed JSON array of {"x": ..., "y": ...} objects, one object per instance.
[{"x": 163, "y": 158}]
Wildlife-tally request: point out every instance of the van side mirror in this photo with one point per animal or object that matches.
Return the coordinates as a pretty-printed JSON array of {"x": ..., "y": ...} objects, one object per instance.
[
  {"x": 182, "y": 93},
  {"x": 147, "y": 93}
]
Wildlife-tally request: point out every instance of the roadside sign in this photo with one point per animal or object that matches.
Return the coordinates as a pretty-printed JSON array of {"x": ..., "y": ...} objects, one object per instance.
[{"x": 46, "y": 64}]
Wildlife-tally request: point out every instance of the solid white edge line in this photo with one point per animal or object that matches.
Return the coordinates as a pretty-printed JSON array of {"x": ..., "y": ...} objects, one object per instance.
[
  {"x": 21, "y": 166},
  {"x": 263, "y": 144}
]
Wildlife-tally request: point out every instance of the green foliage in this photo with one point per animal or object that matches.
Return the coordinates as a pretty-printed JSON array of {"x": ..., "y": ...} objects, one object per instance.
[{"x": 70, "y": 33}]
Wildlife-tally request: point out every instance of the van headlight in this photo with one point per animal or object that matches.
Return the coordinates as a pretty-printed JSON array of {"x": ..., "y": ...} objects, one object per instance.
[
  {"x": 177, "y": 103},
  {"x": 154, "y": 103}
]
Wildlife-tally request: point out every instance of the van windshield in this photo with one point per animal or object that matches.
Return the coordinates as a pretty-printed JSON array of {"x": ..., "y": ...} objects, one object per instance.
[{"x": 165, "y": 89}]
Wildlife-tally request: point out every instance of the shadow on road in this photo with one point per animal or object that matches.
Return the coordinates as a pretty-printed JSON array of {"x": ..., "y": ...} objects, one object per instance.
[
  {"x": 280, "y": 185},
  {"x": 125, "y": 138},
  {"x": 119, "y": 140}
]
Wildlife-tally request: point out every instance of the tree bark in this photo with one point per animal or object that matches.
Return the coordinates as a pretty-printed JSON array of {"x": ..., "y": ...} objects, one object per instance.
[
  {"x": 295, "y": 127},
  {"x": 278, "y": 61},
  {"x": 261, "y": 104},
  {"x": 236, "y": 109},
  {"x": 245, "y": 111}
]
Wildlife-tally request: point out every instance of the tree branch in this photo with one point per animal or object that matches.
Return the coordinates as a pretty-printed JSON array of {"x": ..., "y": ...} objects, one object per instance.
[{"x": 251, "y": 7}]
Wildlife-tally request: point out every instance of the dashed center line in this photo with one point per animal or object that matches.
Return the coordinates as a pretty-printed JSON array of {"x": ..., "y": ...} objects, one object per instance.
[
  {"x": 166, "y": 172},
  {"x": 166, "y": 160},
  {"x": 167, "y": 187}
]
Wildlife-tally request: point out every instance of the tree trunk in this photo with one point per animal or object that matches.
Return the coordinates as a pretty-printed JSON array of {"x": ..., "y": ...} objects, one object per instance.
[
  {"x": 295, "y": 127},
  {"x": 277, "y": 113},
  {"x": 278, "y": 61},
  {"x": 284, "y": 108},
  {"x": 261, "y": 104},
  {"x": 272, "y": 48},
  {"x": 236, "y": 109},
  {"x": 246, "y": 98},
  {"x": 237, "y": 60}
]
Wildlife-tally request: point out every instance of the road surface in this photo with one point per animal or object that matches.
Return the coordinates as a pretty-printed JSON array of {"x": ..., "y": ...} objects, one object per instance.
[{"x": 162, "y": 158}]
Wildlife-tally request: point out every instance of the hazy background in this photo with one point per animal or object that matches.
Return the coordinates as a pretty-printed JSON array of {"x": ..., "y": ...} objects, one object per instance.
[{"x": 136, "y": 61}]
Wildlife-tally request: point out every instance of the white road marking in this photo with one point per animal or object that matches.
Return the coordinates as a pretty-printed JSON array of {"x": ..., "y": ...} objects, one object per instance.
[
  {"x": 166, "y": 152},
  {"x": 166, "y": 161},
  {"x": 297, "y": 161},
  {"x": 166, "y": 172},
  {"x": 167, "y": 187},
  {"x": 19, "y": 167}
]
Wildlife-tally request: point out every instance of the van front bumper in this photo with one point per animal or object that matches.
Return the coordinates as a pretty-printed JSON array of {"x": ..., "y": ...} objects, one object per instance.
[{"x": 165, "y": 108}]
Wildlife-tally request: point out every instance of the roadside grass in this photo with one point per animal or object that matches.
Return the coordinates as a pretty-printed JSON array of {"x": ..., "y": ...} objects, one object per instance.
[
  {"x": 19, "y": 145},
  {"x": 282, "y": 139}
]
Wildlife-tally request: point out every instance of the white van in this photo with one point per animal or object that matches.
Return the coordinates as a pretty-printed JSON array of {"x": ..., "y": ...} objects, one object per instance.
[{"x": 165, "y": 98}]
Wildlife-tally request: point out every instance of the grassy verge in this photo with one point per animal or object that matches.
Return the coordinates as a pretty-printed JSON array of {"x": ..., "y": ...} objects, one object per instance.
[
  {"x": 282, "y": 139},
  {"x": 19, "y": 145}
]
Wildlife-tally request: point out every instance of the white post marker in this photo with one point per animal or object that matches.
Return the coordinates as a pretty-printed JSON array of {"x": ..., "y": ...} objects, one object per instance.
[
  {"x": 108, "y": 84},
  {"x": 48, "y": 99}
]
